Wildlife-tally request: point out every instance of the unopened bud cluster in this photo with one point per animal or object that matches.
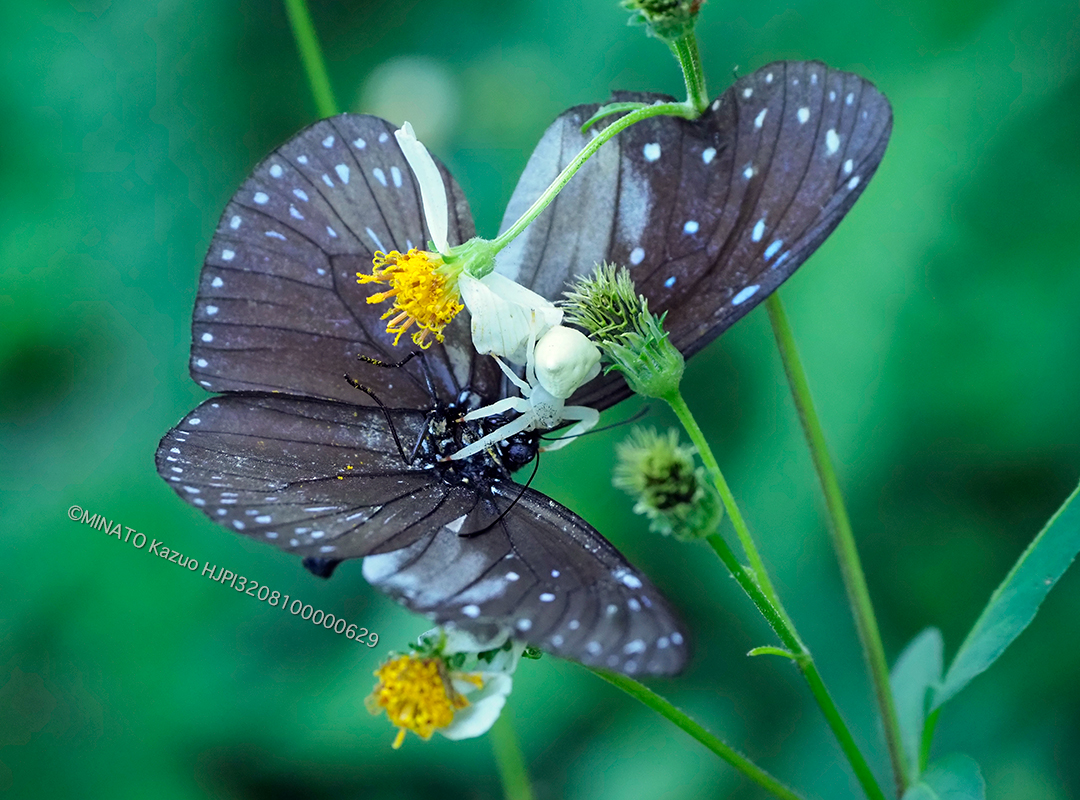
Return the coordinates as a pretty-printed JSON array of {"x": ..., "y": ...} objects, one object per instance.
[
  {"x": 665, "y": 19},
  {"x": 669, "y": 489},
  {"x": 631, "y": 338}
]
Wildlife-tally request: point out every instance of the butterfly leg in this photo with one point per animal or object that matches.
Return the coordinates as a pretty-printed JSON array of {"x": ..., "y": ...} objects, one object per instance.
[{"x": 588, "y": 417}]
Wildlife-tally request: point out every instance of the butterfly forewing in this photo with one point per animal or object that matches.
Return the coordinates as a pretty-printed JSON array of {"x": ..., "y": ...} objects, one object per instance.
[
  {"x": 315, "y": 478},
  {"x": 710, "y": 215},
  {"x": 279, "y": 307}
]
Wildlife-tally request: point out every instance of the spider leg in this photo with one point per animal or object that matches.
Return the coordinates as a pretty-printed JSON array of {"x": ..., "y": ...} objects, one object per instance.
[
  {"x": 588, "y": 417},
  {"x": 509, "y": 373},
  {"x": 498, "y": 407},
  {"x": 522, "y": 423}
]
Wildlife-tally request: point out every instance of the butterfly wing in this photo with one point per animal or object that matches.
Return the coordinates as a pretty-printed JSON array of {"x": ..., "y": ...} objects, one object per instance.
[
  {"x": 315, "y": 478},
  {"x": 279, "y": 308},
  {"x": 538, "y": 569},
  {"x": 709, "y": 215},
  {"x": 325, "y": 480}
]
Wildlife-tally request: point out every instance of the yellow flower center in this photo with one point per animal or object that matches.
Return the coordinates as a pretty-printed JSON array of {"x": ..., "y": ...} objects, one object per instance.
[
  {"x": 423, "y": 295},
  {"x": 417, "y": 695}
]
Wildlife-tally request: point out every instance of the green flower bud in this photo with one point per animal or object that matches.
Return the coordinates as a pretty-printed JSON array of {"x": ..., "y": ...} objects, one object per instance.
[
  {"x": 669, "y": 489},
  {"x": 632, "y": 339},
  {"x": 665, "y": 19}
]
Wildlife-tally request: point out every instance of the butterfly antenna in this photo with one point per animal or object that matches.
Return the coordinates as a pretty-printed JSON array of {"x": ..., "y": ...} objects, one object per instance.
[
  {"x": 426, "y": 368},
  {"x": 645, "y": 410},
  {"x": 509, "y": 508},
  {"x": 386, "y": 412}
]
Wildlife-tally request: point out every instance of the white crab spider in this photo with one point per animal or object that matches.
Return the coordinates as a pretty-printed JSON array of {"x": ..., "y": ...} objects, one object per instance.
[
  {"x": 511, "y": 321},
  {"x": 556, "y": 366}
]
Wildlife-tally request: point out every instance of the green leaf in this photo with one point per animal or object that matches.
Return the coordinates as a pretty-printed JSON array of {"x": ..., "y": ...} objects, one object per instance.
[
  {"x": 954, "y": 777},
  {"x": 1015, "y": 601},
  {"x": 916, "y": 674}
]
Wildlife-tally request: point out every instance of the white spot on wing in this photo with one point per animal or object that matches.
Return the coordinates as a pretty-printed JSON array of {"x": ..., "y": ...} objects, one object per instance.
[
  {"x": 301, "y": 194},
  {"x": 211, "y": 310},
  {"x": 276, "y": 171},
  {"x": 328, "y": 142},
  {"x": 748, "y": 173},
  {"x": 832, "y": 141},
  {"x": 848, "y": 166},
  {"x": 383, "y": 137},
  {"x": 804, "y": 115},
  {"x": 208, "y": 337},
  {"x": 395, "y": 176},
  {"x": 773, "y": 248},
  {"x": 669, "y": 282},
  {"x": 375, "y": 239},
  {"x": 327, "y": 181},
  {"x": 651, "y": 151},
  {"x": 637, "y": 255},
  {"x": 850, "y": 98},
  {"x": 748, "y": 92},
  {"x": 360, "y": 144},
  {"x": 853, "y": 182},
  {"x": 759, "y": 120},
  {"x": 691, "y": 226},
  {"x": 227, "y": 255},
  {"x": 234, "y": 223},
  {"x": 380, "y": 176},
  {"x": 759, "y": 230},
  {"x": 708, "y": 154},
  {"x": 744, "y": 295},
  {"x": 261, "y": 198},
  {"x": 294, "y": 213},
  {"x": 217, "y": 283},
  {"x": 342, "y": 171}
]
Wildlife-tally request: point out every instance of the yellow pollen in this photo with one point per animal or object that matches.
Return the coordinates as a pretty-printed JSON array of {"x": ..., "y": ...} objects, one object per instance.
[
  {"x": 422, "y": 294},
  {"x": 416, "y": 695}
]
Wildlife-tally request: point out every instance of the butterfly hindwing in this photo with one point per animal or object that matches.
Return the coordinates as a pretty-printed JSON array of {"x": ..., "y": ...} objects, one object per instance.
[
  {"x": 710, "y": 216},
  {"x": 542, "y": 572},
  {"x": 279, "y": 307}
]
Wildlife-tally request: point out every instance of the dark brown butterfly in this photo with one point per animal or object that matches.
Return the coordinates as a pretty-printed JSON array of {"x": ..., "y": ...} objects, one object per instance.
[{"x": 710, "y": 216}]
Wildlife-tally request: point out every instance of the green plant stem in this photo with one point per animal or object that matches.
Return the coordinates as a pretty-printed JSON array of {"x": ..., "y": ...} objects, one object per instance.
[
  {"x": 757, "y": 566},
  {"x": 842, "y": 537},
  {"x": 686, "y": 53},
  {"x": 683, "y": 110},
  {"x": 509, "y": 759},
  {"x": 688, "y": 724},
  {"x": 311, "y": 55},
  {"x": 759, "y": 589}
]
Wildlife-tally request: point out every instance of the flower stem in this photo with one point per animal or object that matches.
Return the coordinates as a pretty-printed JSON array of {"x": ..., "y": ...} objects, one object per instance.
[
  {"x": 660, "y": 109},
  {"x": 843, "y": 538},
  {"x": 760, "y": 590},
  {"x": 757, "y": 566},
  {"x": 696, "y": 730},
  {"x": 311, "y": 55},
  {"x": 509, "y": 759},
  {"x": 685, "y": 50}
]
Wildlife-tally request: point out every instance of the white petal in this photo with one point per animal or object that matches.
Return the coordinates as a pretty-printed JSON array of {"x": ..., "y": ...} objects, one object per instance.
[
  {"x": 565, "y": 359},
  {"x": 505, "y": 314},
  {"x": 432, "y": 190},
  {"x": 460, "y": 641},
  {"x": 484, "y": 707}
]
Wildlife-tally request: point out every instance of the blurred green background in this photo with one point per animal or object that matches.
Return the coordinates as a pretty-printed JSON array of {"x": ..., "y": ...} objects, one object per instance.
[{"x": 940, "y": 326}]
